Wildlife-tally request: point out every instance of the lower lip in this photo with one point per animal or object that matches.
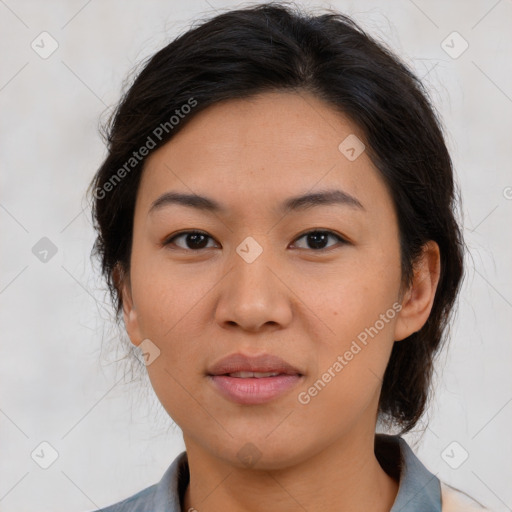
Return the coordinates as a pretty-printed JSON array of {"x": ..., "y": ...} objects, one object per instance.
[{"x": 253, "y": 391}]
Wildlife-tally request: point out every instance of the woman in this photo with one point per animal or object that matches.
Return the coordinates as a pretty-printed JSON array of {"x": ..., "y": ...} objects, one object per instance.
[{"x": 276, "y": 224}]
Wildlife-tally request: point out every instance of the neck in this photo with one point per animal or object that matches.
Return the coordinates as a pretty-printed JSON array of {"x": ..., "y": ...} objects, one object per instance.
[{"x": 344, "y": 477}]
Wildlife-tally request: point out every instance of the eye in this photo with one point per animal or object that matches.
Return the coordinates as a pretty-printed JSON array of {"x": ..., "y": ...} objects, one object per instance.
[
  {"x": 194, "y": 240},
  {"x": 197, "y": 240},
  {"x": 318, "y": 239}
]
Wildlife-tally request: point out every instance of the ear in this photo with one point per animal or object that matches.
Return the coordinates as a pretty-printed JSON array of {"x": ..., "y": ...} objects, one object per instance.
[
  {"x": 131, "y": 322},
  {"x": 419, "y": 298}
]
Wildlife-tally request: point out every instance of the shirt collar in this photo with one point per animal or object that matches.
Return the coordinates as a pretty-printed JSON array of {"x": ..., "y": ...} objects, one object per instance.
[{"x": 418, "y": 488}]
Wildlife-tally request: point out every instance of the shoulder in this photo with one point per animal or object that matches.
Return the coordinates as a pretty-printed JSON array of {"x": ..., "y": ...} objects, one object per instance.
[
  {"x": 162, "y": 496},
  {"x": 454, "y": 500},
  {"x": 142, "y": 501}
]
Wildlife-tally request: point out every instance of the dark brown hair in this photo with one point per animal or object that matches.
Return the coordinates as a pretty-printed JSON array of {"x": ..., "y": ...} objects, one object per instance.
[{"x": 272, "y": 47}]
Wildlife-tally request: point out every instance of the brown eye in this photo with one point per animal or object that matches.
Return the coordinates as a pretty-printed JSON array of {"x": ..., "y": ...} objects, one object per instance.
[
  {"x": 193, "y": 240},
  {"x": 317, "y": 240}
]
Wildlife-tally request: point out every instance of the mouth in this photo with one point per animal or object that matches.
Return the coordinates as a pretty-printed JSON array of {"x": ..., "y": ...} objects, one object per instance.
[
  {"x": 240, "y": 365},
  {"x": 252, "y": 380},
  {"x": 251, "y": 375}
]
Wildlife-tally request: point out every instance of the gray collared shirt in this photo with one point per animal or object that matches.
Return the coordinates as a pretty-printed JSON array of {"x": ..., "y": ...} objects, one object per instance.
[{"x": 419, "y": 490}]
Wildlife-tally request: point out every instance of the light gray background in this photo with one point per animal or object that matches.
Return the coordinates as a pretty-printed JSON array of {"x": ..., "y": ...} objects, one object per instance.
[{"x": 59, "y": 386}]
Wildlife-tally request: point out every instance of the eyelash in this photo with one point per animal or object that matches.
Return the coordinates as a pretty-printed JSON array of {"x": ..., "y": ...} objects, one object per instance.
[{"x": 341, "y": 240}]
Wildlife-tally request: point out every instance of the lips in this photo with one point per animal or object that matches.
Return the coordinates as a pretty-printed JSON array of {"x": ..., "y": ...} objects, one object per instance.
[
  {"x": 255, "y": 375},
  {"x": 253, "y": 380},
  {"x": 260, "y": 364}
]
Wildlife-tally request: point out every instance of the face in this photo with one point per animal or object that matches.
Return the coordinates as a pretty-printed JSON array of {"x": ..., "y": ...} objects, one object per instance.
[{"x": 316, "y": 284}]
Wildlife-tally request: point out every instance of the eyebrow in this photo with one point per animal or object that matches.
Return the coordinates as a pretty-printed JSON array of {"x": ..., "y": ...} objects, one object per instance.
[{"x": 298, "y": 203}]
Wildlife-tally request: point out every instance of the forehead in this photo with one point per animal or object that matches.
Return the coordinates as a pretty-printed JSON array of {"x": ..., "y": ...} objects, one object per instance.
[
  {"x": 279, "y": 121},
  {"x": 253, "y": 150}
]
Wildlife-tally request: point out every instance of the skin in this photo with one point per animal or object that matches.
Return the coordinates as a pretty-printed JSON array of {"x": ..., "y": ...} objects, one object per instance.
[{"x": 302, "y": 303}]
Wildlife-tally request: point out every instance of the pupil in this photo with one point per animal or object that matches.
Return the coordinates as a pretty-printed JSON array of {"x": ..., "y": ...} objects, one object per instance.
[
  {"x": 317, "y": 235},
  {"x": 195, "y": 237}
]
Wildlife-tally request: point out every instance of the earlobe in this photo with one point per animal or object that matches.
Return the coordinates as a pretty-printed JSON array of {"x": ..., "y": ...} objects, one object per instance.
[
  {"x": 419, "y": 298},
  {"x": 129, "y": 311}
]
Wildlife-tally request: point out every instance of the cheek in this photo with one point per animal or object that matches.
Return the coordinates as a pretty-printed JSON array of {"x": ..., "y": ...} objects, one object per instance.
[
  {"x": 168, "y": 311},
  {"x": 345, "y": 386},
  {"x": 354, "y": 300},
  {"x": 360, "y": 310},
  {"x": 166, "y": 296},
  {"x": 360, "y": 342}
]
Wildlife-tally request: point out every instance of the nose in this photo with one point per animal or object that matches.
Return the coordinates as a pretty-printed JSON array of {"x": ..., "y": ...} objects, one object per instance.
[{"x": 253, "y": 296}]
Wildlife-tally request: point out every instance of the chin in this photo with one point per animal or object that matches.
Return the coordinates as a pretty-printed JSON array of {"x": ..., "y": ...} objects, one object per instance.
[{"x": 259, "y": 452}]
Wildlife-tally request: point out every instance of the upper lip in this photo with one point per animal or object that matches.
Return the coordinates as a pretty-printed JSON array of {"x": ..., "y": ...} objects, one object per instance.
[{"x": 244, "y": 363}]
